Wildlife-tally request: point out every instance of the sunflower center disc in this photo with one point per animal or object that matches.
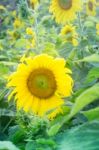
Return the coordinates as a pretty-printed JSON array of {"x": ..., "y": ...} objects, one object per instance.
[
  {"x": 90, "y": 5},
  {"x": 65, "y": 4},
  {"x": 41, "y": 83}
]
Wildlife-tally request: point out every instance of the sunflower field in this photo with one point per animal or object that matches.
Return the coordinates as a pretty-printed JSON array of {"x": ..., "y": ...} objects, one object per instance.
[{"x": 49, "y": 74}]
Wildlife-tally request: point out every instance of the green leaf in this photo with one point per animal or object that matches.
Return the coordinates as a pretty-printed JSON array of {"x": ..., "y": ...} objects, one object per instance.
[
  {"x": 30, "y": 146},
  {"x": 93, "y": 74},
  {"x": 8, "y": 63},
  {"x": 85, "y": 98},
  {"x": 81, "y": 101},
  {"x": 92, "y": 114},
  {"x": 84, "y": 137},
  {"x": 16, "y": 134},
  {"x": 54, "y": 129},
  {"x": 92, "y": 58},
  {"x": 6, "y": 145},
  {"x": 3, "y": 69},
  {"x": 6, "y": 112}
]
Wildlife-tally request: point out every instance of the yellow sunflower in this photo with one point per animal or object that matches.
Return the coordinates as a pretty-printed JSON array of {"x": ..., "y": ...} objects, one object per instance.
[
  {"x": 30, "y": 31},
  {"x": 65, "y": 10},
  {"x": 2, "y": 7},
  {"x": 33, "y": 3},
  {"x": 91, "y": 7},
  {"x": 97, "y": 2},
  {"x": 97, "y": 28},
  {"x": 14, "y": 34},
  {"x": 30, "y": 43},
  {"x": 40, "y": 83},
  {"x": 17, "y": 23},
  {"x": 69, "y": 34}
]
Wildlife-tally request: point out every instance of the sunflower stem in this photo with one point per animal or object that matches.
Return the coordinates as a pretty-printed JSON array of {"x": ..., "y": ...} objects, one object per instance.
[
  {"x": 36, "y": 30},
  {"x": 81, "y": 34}
]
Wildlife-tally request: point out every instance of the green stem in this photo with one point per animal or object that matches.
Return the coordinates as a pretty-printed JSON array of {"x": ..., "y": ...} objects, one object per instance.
[
  {"x": 81, "y": 34},
  {"x": 7, "y": 125},
  {"x": 36, "y": 30}
]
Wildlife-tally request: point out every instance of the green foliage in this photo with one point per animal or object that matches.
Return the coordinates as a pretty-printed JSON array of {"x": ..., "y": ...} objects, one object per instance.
[
  {"x": 85, "y": 98},
  {"x": 82, "y": 137},
  {"x": 93, "y": 74},
  {"x": 6, "y": 145},
  {"x": 92, "y": 114},
  {"x": 92, "y": 58},
  {"x": 88, "y": 96}
]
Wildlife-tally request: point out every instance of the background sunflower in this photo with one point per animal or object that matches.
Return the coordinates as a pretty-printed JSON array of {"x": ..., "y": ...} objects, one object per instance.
[
  {"x": 91, "y": 7},
  {"x": 69, "y": 34},
  {"x": 65, "y": 10}
]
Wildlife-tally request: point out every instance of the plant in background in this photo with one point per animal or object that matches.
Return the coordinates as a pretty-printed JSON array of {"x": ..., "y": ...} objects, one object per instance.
[
  {"x": 91, "y": 7},
  {"x": 97, "y": 28},
  {"x": 69, "y": 34},
  {"x": 65, "y": 10}
]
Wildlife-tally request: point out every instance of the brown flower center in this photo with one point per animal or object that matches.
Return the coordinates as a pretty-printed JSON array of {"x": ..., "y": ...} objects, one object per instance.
[
  {"x": 69, "y": 35},
  {"x": 65, "y": 4},
  {"x": 90, "y": 5},
  {"x": 41, "y": 83}
]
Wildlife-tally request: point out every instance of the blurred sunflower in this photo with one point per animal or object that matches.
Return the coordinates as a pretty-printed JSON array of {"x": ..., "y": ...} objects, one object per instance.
[
  {"x": 65, "y": 10},
  {"x": 30, "y": 31},
  {"x": 97, "y": 2},
  {"x": 2, "y": 7},
  {"x": 30, "y": 43},
  {"x": 14, "y": 34},
  {"x": 97, "y": 28},
  {"x": 17, "y": 23},
  {"x": 69, "y": 34},
  {"x": 91, "y": 7},
  {"x": 40, "y": 83},
  {"x": 33, "y": 3}
]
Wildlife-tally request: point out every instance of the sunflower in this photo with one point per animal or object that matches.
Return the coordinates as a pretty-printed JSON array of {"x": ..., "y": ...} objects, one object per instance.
[
  {"x": 2, "y": 7},
  {"x": 30, "y": 43},
  {"x": 69, "y": 34},
  {"x": 29, "y": 31},
  {"x": 91, "y": 7},
  {"x": 14, "y": 34},
  {"x": 65, "y": 10},
  {"x": 40, "y": 83},
  {"x": 97, "y": 2},
  {"x": 97, "y": 28},
  {"x": 17, "y": 23},
  {"x": 33, "y": 3}
]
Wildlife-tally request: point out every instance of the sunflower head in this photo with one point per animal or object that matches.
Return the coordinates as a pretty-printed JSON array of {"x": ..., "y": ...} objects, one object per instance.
[
  {"x": 17, "y": 23},
  {"x": 65, "y": 4},
  {"x": 29, "y": 31},
  {"x": 91, "y": 7},
  {"x": 40, "y": 83},
  {"x": 97, "y": 2},
  {"x": 65, "y": 10},
  {"x": 33, "y": 3},
  {"x": 2, "y": 7},
  {"x": 69, "y": 34}
]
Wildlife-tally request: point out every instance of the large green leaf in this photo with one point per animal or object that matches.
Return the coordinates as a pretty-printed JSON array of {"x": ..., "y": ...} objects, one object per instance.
[
  {"x": 6, "y": 145},
  {"x": 92, "y": 58},
  {"x": 92, "y": 114},
  {"x": 93, "y": 74},
  {"x": 85, "y": 98},
  {"x": 88, "y": 96},
  {"x": 84, "y": 137}
]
